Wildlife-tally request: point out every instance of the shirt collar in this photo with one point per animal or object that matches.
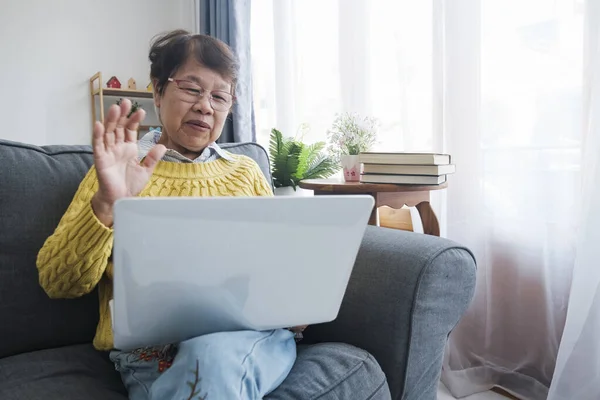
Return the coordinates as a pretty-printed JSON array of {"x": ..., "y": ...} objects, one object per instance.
[
  {"x": 151, "y": 138},
  {"x": 222, "y": 153}
]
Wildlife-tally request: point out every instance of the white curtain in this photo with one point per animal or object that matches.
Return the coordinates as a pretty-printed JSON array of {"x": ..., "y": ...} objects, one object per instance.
[
  {"x": 313, "y": 58},
  {"x": 499, "y": 84},
  {"x": 577, "y": 373},
  {"x": 514, "y": 117}
]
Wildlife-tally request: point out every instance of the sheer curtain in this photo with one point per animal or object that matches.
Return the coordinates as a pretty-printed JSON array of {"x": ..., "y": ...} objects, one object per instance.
[
  {"x": 496, "y": 83},
  {"x": 515, "y": 118},
  {"x": 313, "y": 58},
  {"x": 577, "y": 373}
]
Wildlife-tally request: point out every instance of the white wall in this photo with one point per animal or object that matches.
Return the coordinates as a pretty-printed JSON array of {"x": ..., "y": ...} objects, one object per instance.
[{"x": 50, "y": 49}]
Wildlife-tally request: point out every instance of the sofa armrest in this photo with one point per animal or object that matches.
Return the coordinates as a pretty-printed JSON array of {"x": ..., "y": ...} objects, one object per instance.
[{"x": 406, "y": 293}]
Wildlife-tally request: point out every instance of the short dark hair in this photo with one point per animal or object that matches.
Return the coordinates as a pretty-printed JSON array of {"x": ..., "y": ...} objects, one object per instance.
[{"x": 171, "y": 50}]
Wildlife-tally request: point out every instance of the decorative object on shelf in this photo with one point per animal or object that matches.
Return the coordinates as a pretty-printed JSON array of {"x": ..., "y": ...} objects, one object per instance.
[
  {"x": 350, "y": 135},
  {"x": 292, "y": 161},
  {"x": 149, "y": 88},
  {"x": 131, "y": 84},
  {"x": 113, "y": 83},
  {"x": 134, "y": 106}
]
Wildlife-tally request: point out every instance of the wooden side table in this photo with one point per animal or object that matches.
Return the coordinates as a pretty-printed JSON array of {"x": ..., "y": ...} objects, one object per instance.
[{"x": 394, "y": 196}]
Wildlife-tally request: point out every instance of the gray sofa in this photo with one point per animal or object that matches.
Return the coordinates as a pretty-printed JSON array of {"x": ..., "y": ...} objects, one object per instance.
[{"x": 406, "y": 294}]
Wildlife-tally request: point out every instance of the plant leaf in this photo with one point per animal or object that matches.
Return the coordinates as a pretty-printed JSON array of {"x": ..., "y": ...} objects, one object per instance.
[
  {"x": 308, "y": 156},
  {"x": 322, "y": 167},
  {"x": 292, "y": 162},
  {"x": 278, "y": 153}
]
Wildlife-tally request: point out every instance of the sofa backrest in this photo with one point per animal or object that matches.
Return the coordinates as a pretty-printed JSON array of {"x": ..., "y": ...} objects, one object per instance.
[{"x": 36, "y": 186}]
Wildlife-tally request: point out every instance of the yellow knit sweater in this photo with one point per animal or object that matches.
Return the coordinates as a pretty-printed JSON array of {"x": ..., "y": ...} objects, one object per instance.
[{"x": 76, "y": 257}]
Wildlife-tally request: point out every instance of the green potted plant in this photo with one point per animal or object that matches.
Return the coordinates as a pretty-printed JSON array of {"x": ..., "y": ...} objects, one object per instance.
[
  {"x": 349, "y": 136},
  {"x": 292, "y": 161}
]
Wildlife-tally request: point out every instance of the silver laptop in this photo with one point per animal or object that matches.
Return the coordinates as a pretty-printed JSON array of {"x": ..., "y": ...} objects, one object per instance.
[{"x": 185, "y": 267}]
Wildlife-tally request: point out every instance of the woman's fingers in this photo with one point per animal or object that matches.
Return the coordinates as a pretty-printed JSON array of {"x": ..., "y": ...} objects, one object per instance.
[
  {"x": 298, "y": 329},
  {"x": 98, "y": 138},
  {"x": 125, "y": 108},
  {"x": 133, "y": 123},
  {"x": 112, "y": 116},
  {"x": 153, "y": 157},
  {"x": 110, "y": 123}
]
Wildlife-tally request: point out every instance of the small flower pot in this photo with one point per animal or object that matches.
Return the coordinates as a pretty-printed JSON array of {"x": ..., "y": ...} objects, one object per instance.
[{"x": 352, "y": 168}]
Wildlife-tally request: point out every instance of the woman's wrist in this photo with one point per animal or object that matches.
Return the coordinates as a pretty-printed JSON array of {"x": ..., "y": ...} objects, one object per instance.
[{"x": 103, "y": 210}]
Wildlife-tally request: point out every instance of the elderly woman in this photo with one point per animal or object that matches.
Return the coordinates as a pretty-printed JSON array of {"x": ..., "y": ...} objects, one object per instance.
[{"x": 194, "y": 79}]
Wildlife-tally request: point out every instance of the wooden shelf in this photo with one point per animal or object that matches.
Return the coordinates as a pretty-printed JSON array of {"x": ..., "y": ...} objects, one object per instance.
[
  {"x": 99, "y": 92},
  {"x": 124, "y": 93}
]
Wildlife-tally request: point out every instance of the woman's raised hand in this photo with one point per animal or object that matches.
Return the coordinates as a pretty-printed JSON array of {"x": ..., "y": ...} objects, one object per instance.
[{"x": 120, "y": 174}]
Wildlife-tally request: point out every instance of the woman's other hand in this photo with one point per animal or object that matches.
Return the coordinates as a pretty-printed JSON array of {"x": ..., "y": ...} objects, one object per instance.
[
  {"x": 115, "y": 157},
  {"x": 298, "y": 329}
]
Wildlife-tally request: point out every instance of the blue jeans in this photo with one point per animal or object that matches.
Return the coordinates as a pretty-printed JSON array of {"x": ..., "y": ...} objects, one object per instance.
[{"x": 227, "y": 365}]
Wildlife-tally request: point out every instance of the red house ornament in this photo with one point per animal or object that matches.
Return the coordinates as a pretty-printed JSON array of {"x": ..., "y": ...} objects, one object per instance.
[{"x": 113, "y": 83}]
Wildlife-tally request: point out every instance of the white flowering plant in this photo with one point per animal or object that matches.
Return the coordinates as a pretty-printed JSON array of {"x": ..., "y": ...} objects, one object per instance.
[{"x": 351, "y": 134}]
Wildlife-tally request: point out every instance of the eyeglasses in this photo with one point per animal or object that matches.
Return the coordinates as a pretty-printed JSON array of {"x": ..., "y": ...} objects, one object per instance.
[{"x": 191, "y": 92}]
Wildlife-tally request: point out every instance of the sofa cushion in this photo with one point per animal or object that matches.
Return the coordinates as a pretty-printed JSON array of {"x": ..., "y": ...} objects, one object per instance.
[
  {"x": 72, "y": 372},
  {"x": 333, "y": 371},
  {"x": 36, "y": 186}
]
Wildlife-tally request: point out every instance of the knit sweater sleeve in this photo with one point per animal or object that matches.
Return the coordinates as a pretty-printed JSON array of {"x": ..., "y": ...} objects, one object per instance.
[{"x": 74, "y": 258}]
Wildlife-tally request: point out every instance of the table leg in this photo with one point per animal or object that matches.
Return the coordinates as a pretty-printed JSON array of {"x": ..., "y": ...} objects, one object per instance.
[{"x": 431, "y": 225}]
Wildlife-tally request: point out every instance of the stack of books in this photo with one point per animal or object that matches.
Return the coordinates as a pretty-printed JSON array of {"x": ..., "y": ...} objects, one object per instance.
[{"x": 406, "y": 168}]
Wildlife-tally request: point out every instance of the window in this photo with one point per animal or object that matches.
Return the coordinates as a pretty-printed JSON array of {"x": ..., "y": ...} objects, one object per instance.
[{"x": 313, "y": 59}]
